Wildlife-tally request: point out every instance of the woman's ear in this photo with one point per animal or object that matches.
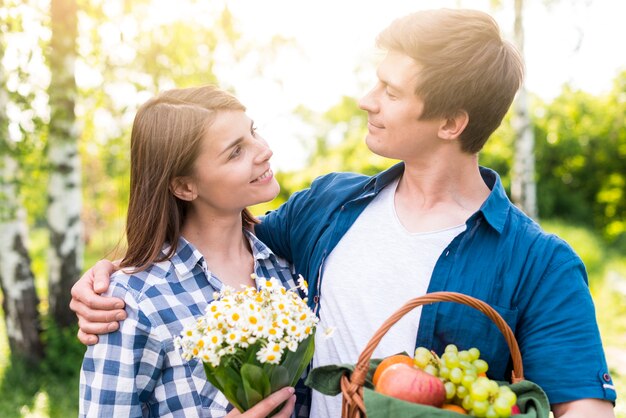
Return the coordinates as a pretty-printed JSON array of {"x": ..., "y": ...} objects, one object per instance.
[
  {"x": 453, "y": 126},
  {"x": 183, "y": 188}
]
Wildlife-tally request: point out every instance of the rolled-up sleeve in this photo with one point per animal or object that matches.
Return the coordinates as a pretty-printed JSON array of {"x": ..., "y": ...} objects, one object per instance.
[{"x": 559, "y": 337}]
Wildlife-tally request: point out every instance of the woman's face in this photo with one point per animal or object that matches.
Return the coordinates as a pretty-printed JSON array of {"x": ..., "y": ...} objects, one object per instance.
[{"x": 232, "y": 170}]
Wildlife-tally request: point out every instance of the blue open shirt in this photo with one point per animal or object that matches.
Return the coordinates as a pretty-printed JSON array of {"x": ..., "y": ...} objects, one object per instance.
[{"x": 534, "y": 280}]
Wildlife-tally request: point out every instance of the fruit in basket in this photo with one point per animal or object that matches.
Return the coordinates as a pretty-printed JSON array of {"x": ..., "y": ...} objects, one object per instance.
[
  {"x": 395, "y": 359},
  {"x": 411, "y": 384},
  {"x": 515, "y": 410},
  {"x": 463, "y": 373},
  {"x": 455, "y": 408}
]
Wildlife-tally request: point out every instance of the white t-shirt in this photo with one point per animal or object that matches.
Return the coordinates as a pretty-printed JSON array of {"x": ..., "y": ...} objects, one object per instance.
[{"x": 376, "y": 267}]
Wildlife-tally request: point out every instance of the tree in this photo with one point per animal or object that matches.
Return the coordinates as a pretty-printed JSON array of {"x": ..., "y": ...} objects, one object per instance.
[
  {"x": 17, "y": 283},
  {"x": 523, "y": 186},
  {"x": 64, "y": 187},
  {"x": 581, "y": 159}
]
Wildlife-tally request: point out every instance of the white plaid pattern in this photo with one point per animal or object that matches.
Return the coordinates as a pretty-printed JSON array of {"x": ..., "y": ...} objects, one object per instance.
[{"x": 136, "y": 371}]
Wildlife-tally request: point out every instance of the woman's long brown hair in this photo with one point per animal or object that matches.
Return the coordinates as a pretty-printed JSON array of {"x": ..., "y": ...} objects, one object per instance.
[{"x": 165, "y": 142}]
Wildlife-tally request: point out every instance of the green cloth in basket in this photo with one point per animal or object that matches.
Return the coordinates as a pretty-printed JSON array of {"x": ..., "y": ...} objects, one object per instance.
[{"x": 531, "y": 399}]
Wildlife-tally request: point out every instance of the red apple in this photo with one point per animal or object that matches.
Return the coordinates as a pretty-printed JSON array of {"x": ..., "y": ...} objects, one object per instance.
[
  {"x": 515, "y": 410},
  {"x": 411, "y": 384}
]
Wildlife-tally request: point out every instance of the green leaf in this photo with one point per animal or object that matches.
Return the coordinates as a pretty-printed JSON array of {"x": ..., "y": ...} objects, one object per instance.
[
  {"x": 297, "y": 361},
  {"x": 251, "y": 351},
  {"x": 227, "y": 380},
  {"x": 256, "y": 384},
  {"x": 279, "y": 376},
  {"x": 241, "y": 395}
]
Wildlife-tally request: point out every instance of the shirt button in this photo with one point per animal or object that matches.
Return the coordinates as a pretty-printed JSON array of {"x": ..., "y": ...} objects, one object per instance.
[
  {"x": 316, "y": 299},
  {"x": 606, "y": 377}
]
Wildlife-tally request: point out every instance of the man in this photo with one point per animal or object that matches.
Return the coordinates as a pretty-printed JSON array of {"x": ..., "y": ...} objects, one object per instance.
[{"x": 437, "y": 221}]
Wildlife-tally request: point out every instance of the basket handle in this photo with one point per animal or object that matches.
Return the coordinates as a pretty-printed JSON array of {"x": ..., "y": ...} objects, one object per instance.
[{"x": 355, "y": 383}]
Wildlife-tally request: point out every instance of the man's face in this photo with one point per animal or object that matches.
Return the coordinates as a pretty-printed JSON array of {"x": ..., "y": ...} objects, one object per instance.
[{"x": 394, "y": 128}]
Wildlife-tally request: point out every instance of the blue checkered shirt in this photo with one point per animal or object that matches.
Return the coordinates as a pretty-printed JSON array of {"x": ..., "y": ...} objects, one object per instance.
[{"x": 136, "y": 371}]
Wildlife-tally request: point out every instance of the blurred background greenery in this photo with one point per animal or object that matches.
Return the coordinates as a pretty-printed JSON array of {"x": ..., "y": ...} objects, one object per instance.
[{"x": 579, "y": 152}]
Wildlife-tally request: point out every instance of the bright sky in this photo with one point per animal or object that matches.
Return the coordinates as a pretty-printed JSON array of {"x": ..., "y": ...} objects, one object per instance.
[{"x": 573, "y": 41}]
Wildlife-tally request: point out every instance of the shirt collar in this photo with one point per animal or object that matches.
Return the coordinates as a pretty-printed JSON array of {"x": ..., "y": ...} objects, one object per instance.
[
  {"x": 186, "y": 256},
  {"x": 384, "y": 178},
  {"x": 495, "y": 209},
  {"x": 260, "y": 251}
]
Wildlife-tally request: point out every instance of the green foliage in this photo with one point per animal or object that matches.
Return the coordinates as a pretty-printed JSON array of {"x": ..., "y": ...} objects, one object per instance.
[
  {"x": 581, "y": 159},
  {"x": 50, "y": 388},
  {"x": 64, "y": 353},
  {"x": 588, "y": 245},
  {"x": 347, "y": 124},
  {"x": 497, "y": 153},
  {"x": 22, "y": 121},
  {"x": 18, "y": 387}
]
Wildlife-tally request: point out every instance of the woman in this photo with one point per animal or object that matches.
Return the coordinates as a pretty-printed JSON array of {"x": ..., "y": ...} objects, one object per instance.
[{"x": 196, "y": 164}]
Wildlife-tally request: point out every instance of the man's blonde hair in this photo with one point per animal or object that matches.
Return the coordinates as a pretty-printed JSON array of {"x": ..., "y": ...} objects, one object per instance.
[{"x": 465, "y": 64}]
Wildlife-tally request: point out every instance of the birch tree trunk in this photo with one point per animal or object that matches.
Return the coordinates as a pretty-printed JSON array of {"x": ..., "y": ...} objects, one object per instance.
[
  {"x": 523, "y": 186},
  {"x": 17, "y": 283},
  {"x": 64, "y": 188}
]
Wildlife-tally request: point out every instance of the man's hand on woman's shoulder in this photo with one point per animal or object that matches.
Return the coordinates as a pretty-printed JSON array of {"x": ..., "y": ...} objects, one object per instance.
[{"x": 96, "y": 314}]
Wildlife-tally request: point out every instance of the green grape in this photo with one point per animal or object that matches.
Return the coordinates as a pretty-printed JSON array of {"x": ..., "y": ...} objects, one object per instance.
[
  {"x": 505, "y": 389},
  {"x": 431, "y": 369},
  {"x": 494, "y": 388},
  {"x": 464, "y": 355},
  {"x": 467, "y": 403},
  {"x": 422, "y": 351},
  {"x": 510, "y": 396},
  {"x": 502, "y": 407},
  {"x": 474, "y": 353},
  {"x": 491, "y": 413},
  {"x": 481, "y": 365},
  {"x": 483, "y": 380},
  {"x": 467, "y": 366},
  {"x": 468, "y": 380},
  {"x": 451, "y": 348},
  {"x": 480, "y": 407},
  {"x": 444, "y": 372},
  {"x": 456, "y": 374},
  {"x": 479, "y": 390},
  {"x": 450, "y": 360},
  {"x": 422, "y": 357},
  {"x": 462, "y": 392},
  {"x": 450, "y": 390}
]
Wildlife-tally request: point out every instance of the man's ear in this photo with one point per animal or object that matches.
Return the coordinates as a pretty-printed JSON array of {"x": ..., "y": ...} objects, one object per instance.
[
  {"x": 453, "y": 126},
  {"x": 184, "y": 188}
]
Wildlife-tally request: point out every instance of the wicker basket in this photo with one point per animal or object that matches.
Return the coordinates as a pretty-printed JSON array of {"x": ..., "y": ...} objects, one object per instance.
[{"x": 352, "y": 387}]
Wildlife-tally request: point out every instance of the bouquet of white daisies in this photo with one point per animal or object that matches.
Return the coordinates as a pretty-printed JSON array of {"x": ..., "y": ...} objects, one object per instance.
[{"x": 252, "y": 342}]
